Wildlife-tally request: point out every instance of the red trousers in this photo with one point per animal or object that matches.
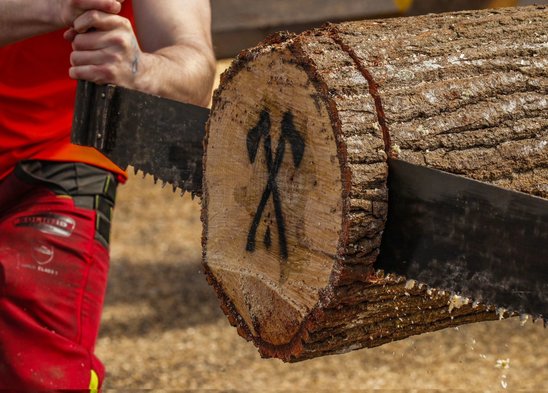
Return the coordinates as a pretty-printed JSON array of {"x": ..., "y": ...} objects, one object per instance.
[{"x": 53, "y": 274}]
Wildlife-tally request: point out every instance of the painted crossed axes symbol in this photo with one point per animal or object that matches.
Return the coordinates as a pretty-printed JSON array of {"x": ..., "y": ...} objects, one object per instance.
[{"x": 296, "y": 142}]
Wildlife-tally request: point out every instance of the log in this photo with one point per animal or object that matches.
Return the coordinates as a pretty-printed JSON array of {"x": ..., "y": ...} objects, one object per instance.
[{"x": 295, "y": 195}]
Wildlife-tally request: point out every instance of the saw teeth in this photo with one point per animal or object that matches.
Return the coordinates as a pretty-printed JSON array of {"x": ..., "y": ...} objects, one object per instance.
[{"x": 177, "y": 186}]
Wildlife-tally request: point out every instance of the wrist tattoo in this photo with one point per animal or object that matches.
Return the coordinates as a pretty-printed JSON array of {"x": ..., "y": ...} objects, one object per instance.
[
  {"x": 135, "y": 65},
  {"x": 135, "y": 62}
]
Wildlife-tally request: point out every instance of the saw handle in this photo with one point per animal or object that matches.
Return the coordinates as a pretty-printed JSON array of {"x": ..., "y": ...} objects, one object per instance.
[
  {"x": 91, "y": 114},
  {"x": 80, "y": 119}
]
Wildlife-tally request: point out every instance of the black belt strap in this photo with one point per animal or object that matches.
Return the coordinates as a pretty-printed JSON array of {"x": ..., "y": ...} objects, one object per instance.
[{"x": 90, "y": 187}]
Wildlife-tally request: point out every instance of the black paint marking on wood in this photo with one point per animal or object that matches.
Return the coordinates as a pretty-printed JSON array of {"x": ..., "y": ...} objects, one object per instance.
[
  {"x": 296, "y": 142},
  {"x": 254, "y": 135},
  {"x": 267, "y": 238}
]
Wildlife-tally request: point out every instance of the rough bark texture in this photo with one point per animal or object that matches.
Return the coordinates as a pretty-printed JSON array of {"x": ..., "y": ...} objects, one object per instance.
[{"x": 462, "y": 92}]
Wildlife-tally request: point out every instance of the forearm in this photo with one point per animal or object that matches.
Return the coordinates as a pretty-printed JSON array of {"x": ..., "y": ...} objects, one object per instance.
[
  {"x": 182, "y": 72},
  {"x": 177, "y": 35},
  {"x": 20, "y": 19}
]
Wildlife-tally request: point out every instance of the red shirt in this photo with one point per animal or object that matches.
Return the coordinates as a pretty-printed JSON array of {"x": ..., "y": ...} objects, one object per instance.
[{"x": 37, "y": 102}]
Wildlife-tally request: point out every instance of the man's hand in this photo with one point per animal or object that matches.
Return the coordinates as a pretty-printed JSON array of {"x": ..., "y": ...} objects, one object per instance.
[
  {"x": 173, "y": 57},
  {"x": 69, "y": 10},
  {"x": 105, "y": 49}
]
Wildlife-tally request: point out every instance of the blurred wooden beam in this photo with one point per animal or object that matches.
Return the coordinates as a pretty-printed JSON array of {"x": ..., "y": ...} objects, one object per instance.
[{"x": 240, "y": 24}]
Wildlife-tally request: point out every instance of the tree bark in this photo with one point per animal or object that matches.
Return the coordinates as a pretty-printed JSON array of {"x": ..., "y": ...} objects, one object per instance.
[{"x": 295, "y": 196}]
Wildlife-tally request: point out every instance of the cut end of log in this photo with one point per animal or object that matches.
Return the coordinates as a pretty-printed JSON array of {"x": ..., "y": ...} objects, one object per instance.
[
  {"x": 280, "y": 213},
  {"x": 274, "y": 236}
]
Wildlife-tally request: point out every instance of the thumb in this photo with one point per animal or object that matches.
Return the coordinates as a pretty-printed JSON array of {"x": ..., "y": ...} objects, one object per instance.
[{"x": 70, "y": 34}]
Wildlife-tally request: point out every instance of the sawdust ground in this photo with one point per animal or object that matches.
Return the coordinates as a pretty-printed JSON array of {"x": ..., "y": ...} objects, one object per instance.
[{"x": 163, "y": 329}]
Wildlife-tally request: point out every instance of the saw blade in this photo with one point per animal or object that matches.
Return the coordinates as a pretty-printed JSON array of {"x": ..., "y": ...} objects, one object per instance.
[
  {"x": 155, "y": 135},
  {"x": 467, "y": 237}
]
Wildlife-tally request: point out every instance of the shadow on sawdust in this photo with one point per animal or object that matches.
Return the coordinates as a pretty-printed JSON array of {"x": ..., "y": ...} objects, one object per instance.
[{"x": 161, "y": 295}]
